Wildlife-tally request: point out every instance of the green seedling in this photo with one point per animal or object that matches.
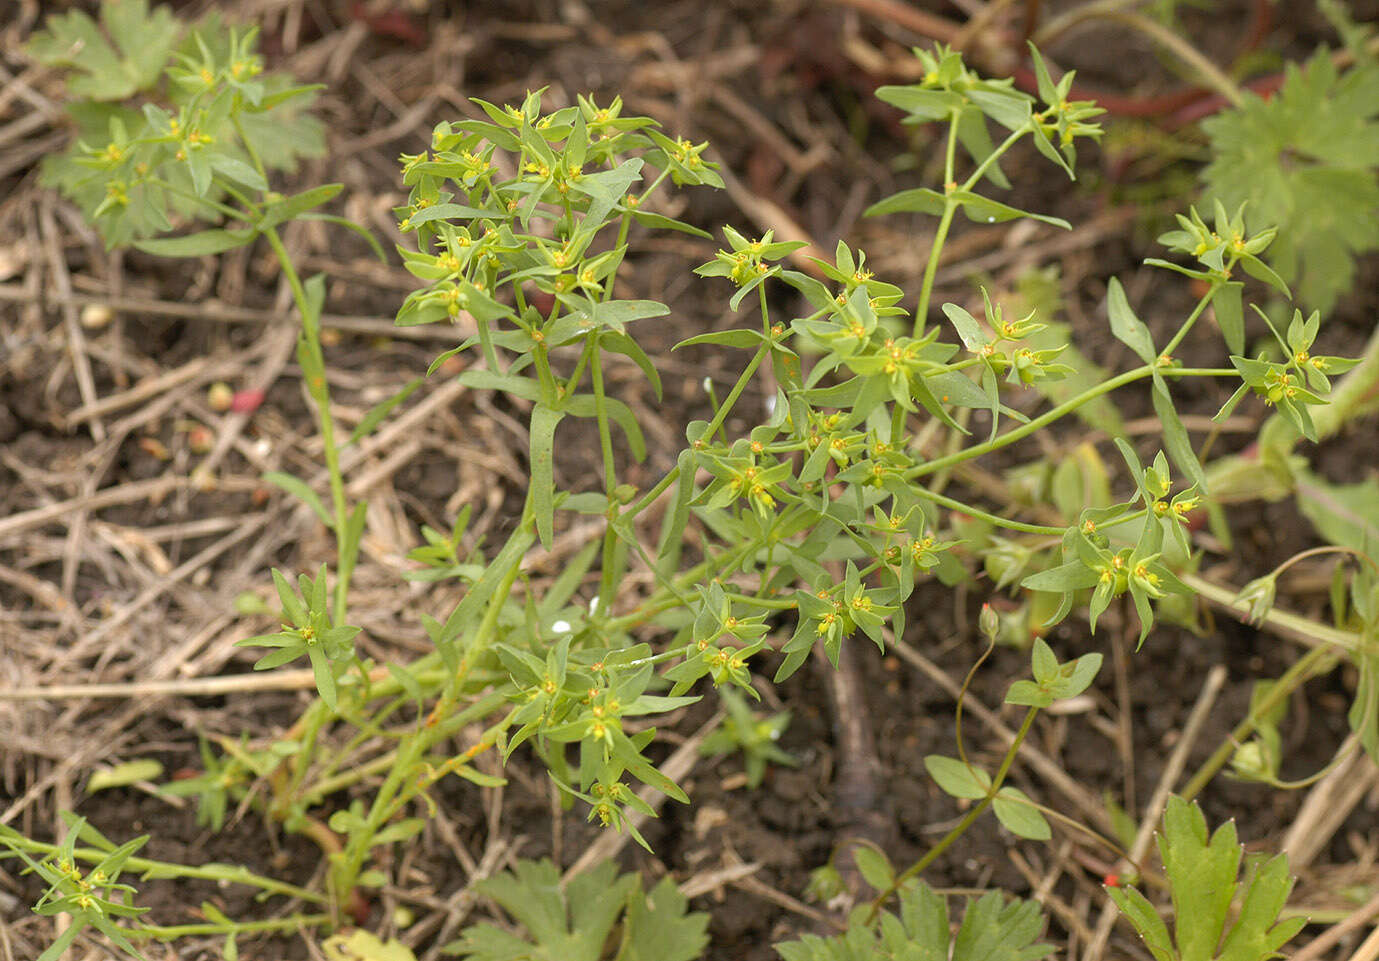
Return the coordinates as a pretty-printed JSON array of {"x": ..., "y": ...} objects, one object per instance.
[{"x": 754, "y": 737}]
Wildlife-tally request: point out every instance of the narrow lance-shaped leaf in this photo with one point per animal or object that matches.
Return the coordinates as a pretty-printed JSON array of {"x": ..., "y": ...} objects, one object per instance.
[
  {"x": 543, "y": 423},
  {"x": 1128, "y": 328},
  {"x": 1176, "y": 440},
  {"x": 202, "y": 244}
]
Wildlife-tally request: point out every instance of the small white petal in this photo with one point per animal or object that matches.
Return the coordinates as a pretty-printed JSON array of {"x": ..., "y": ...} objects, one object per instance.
[{"x": 561, "y": 627}]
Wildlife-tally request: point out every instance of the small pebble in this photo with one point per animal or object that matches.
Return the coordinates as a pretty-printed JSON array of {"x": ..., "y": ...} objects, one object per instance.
[
  {"x": 96, "y": 316},
  {"x": 219, "y": 396}
]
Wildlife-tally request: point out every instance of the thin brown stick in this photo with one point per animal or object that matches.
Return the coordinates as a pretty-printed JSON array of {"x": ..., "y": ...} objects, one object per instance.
[
  {"x": 294, "y": 680},
  {"x": 220, "y": 313},
  {"x": 1327, "y": 940},
  {"x": 904, "y": 15}
]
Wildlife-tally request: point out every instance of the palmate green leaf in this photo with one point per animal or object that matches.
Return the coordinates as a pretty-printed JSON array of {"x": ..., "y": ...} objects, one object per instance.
[
  {"x": 1202, "y": 875},
  {"x": 568, "y": 925},
  {"x": 992, "y": 930},
  {"x": 360, "y": 945},
  {"x": 574, "y": 924},
  {"x": 1146, "y": 920},
  {"x": 657, "y": 926},
  {"x": 1305, "y": 161},
  {"x": 131, "y": 59},
  {"x": 283, "y": 131}
]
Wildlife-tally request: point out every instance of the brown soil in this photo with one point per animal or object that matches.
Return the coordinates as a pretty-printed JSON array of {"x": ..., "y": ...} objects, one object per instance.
[{"x": 142, "y": 587}]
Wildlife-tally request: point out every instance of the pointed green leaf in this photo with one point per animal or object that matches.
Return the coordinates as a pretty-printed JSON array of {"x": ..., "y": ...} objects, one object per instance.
[
  {"x": 1017, "y": 812},
  {"x": 1128, "y": 328},
  {"x": 1176, "y": 439},
  {"x": 202, "y": 244},
  {"x": 543, "y": 423},
  {"x": 957, "y": 779},
  {"x": 300, "y": 490}
]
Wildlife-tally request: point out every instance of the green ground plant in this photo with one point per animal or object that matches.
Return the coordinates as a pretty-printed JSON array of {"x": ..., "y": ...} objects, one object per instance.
[{"x": 815, "y": 525}]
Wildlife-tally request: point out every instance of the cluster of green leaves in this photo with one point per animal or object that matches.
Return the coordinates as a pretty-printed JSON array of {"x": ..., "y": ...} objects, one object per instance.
[
  {"x": 92, "y": 899},
  {"x": 209, "y": 122},
  {"x": 1202, "y": 879},
  {"x": 329, "y": 647},
  {"x": 1305, "y": 161},
  {"x": 599, "y": 914},
  {"x": 992, "y": 929},
  {"x": 1281, "y": 384},
  {"x": 755, "y": 737},
  {"x": 1138, "y": 568},
  {"x": 961, "y": 778}
]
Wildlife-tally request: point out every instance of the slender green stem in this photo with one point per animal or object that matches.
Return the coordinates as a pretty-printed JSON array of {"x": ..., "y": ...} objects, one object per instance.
[
  {"x": 958, "y": 830},
  {"x": 999, "y": 521},
  {"x": 486, "y": 344},
  {"x": 248, "y": 145},
  {"x": 234, "y": 192},
  {"x": 664, "y": 600},
  {"x": 765, "y": 603},
  {"x": 409, "y": 755},
  {"x": 647, "y": 499},
  {"x": 224, "y": 209},
  {"x": 311, "y": 329},
  {"x": 1191, "y": 319},
  {"x": 1305, "y": 629},
  {"x": 1291, "y": 679},
  {"x": 608, "y": 572},
  {"x": 167, "y": 869},
  {"x": 486, "y": 705},
  {"x": 1062, "y": 410},
  {"x": 171, "y": 932},
  {"x": 995, "y": 155},
  {"x": 941, "y": 235}
]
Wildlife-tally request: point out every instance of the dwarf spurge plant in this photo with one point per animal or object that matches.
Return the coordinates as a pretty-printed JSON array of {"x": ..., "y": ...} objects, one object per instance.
[{"x": 814, "y": 526}]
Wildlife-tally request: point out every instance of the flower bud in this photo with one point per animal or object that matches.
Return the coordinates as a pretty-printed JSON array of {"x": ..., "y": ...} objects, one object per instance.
[
  {"x": 989, "y": 622},
  {"x": 1259, "y": 595}
]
